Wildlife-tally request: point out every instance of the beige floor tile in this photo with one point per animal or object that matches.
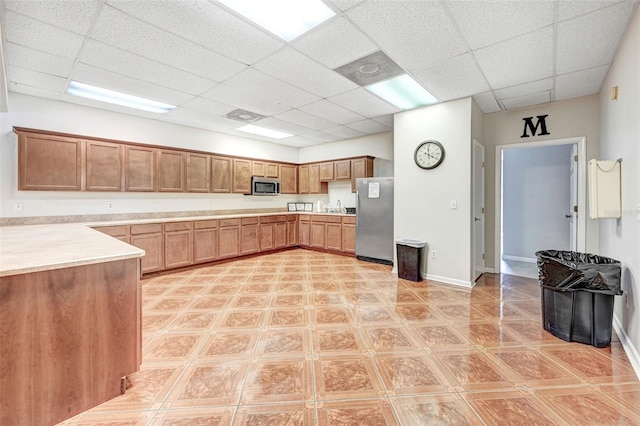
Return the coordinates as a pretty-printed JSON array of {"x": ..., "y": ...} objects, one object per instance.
[
  {"x": 374, "y": 412},
  {"x": 233, "y": 344},
  {"x": 444, "y": 409},
  {"x": 512, "y": 408},
  {"x": 293, "y": 414},
  {"x": 344, "y": 377},
  {"x": 278, "y": 380},
  {"x": 337, "y": 340},
  {"x": 209, "y": 416}
]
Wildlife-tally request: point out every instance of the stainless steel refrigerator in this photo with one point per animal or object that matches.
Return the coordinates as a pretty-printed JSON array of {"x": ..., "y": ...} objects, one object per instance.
[{"x": 374, "y": 226}]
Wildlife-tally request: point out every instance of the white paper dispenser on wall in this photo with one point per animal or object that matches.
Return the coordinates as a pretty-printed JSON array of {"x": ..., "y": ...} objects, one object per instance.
[{"x": 604, "y": 189}]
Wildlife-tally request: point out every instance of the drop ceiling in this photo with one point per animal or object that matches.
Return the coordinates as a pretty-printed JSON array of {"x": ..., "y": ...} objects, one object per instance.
[{"x": 209, "y": 61}]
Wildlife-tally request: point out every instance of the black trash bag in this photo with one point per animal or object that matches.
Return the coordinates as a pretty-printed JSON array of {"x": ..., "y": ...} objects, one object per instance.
[{"x": 571, "y": 271}]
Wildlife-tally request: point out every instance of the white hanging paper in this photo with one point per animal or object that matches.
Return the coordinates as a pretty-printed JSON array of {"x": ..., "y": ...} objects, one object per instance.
[
  {"x": 604, "y": 190},
  {"x": 374, "y": 189}
]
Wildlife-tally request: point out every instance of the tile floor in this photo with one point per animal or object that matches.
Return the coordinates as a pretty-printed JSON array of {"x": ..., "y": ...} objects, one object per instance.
[{"x": 306, "y": 338}]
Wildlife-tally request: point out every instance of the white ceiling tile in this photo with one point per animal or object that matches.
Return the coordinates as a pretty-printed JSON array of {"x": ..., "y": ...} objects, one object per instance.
[
  {"x": 322, "y": 137},
  {"x": 36, "y": 60},
  {"x": 344, "y": 4},
  {"x": 207, "y": 24},
  {"x": 33, "y": 91},
  {"x": 268, "y": 87},
  {"x": 591, "y": 40},
  {"x": 307, "y": 120},
  {"x": 128, "y": 33},
  {"x": 369, "y": 127},
  {"x": 505, "y": 19},
  {"x": 283, "y": 126},
  {"x": 306, "y": 74},
  {"x": 580, "y": 83},
  {"x": 525, "y": 101},
  {"x": 244, "y": 98},
  {"x": 571, "y": 9},
  {"x": 386, "y": 120},
  {"x": 525, "y": 58},
  {"x": 207, "y": 106},
  {"x": 119, "y": 61},
  {"x": 332, "y": 112},
  {"x": 344, "y": 132},
  {"x": 364, "y": 103},
  {"x": 452, "y": 79},
  {"x": 74, "y": 16},
  {"x": 407, "y": 30},
  {"x": 525, "y": 89},
  {"x": 189, "y": 116},
  {"x": 28, "y": 32},
  {"x": 121, "y": 83},
  {"x": 298, "y": 141},
  {"x": 36, "y": 79},
  {"x": 335, "y": 43},
  {"x": 487, "y": 102}
]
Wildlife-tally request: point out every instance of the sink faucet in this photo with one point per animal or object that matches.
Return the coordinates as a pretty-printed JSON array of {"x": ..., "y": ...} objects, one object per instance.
[{"x": 339, "y": 207}]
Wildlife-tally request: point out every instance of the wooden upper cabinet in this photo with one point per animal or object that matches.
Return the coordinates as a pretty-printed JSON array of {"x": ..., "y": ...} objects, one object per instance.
[
  {"x": 242, "y": 176},
  {"x": 326, "y": 171},
  {"x": 303, "y": 179},
  {"x": 221, "y": 174},
  {"x": 288, "y": 179},
  {"x": 360, "y": 168},
  {"x": 49, "y": 162},
  {"x": 172, "y": 171},
  {"x": 198, "y": 172},
  {"x": 258, "y": 168},
  {"x": 140, "y": 168},
  {"x": 272, "y": 170},
  {"x": 103, "y": 168},
  {"x": 342, "y": 169},
  {"x": 314, "y": 179}
]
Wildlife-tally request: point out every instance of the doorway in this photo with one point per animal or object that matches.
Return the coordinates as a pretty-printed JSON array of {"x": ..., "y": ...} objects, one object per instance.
[
  {"x": 540, "y": 201},
  {"x": 478, "y": 210}
]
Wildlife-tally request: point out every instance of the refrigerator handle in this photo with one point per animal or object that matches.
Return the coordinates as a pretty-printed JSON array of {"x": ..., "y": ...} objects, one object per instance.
[{"x": 357, "y": 206}]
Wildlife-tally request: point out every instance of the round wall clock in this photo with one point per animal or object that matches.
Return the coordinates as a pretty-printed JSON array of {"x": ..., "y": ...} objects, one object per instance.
[{"x": 429, "y": 154}]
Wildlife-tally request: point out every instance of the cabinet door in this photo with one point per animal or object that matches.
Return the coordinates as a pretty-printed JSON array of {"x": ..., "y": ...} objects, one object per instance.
[
  {"x": 303, "y": 176},
  {"x": 229, "y": 241},
  {"x": 205, "y": 245},
  {"x": 249, "y": 239},
  {"x": 152, "y": 245},
  {"x": 198, "y": 173},
  {"x": 48, "y": 162},
  {"x": 334, "y": 236},
  {"x": 348, "y": 238},
  {"x": 314, "y": 179},
  {"x": 292, "y": 233},
  {"x": 360, "y": 168},
  {"x": 221, "y": 174},
  {"x": 119, "y": 232},
  {"x": 140, "y": 169},
  {"x": 258, "y": 168},
  {"x": 178, "y": 249},
  {"x": 342, "y": 169},
  {"x": 288, "y": 179},
  {"x": 103, "y": 168},
  {"x": 171, "y": 171},
  {"x": 272, "y": 170},
  {"x": 266, "y": 236},
  {"x": 318, "y": 235},
  {"x": 305, "y": 233},
  {"x": 326, "y": 171},
  {"x": 241, "y": 176},
  {"x": 280, "y": 234}
]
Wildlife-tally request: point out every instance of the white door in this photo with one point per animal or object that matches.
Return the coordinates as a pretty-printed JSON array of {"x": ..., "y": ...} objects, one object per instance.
[
  {"x": 478, "y": 209},
  {"x": 572, "y": 216}
]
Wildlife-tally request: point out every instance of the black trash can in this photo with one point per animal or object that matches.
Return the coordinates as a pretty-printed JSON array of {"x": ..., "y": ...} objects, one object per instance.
[
  {"x": 577, "y": 292},
  {"x": 410, "y": 259}
]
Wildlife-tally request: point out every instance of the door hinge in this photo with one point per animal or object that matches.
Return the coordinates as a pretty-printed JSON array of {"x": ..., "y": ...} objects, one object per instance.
[
  {"x": 482, "y": 256},
  {"x": 483, "y": 210},
  {"x": 575, "y": 158},
  {"x": 575, "y": 209},
  {"x": 483, "y": 164}
]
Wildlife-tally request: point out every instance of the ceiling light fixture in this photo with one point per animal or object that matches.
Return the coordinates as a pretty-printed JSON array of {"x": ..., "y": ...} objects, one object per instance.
[
  {"x": 110, "y": 96},
  {"x": 403, "y": 92},
  {"x": 285, "y": 18},
  {"x": 262, "y": 131}
]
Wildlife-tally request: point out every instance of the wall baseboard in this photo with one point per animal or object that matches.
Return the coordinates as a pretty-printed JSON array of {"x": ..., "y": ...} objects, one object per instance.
[
  {"x": 447, "y": 280},
  {"x": 490, "y": 270},
  {"x": 519, "y": 259},
  {"x": 629, "y": 349}
]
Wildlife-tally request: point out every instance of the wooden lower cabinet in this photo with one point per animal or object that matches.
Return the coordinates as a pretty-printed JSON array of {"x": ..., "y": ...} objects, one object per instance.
[
  {"x": 119, "y": 232},
  {"x": 266, "y": 237},
  {"x": 305, "y": 231},
  {"x": 334, "y": 237},
  {"x": 280, "y": 235},
  {"x": 318, "y": 235},
  {"x": 349, "y": 235},
  {"x": 249, "y": 236},
  {"x": 205, "y": 241},
  {"x": 149, "y": 238},
  {"x": 292, "y": 231},
  {"x": 178, "y": 244},
  {"x": 229, "y": 238}
]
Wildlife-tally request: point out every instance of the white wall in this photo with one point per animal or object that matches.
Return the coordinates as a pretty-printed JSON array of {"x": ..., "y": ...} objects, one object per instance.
[
  {"x": 620, "y": 138},
  {"x": 567, "y": 119},
  {"x": 422, "y": 197},
  {"x": 379, "y": 146},
  {"x": 536, "y": 197},
  {"x": 38, "y": 113}
]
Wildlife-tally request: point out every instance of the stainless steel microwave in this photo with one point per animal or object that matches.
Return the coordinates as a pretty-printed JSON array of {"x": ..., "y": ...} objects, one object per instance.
[{"x": 264, "y": 186}]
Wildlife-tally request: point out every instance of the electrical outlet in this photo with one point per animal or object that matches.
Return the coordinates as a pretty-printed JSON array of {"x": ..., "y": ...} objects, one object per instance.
[
  {"x": 17, "y": 207},
  {"x": 211, "y": 203},
  {"x": 109, "y": 204},
  {"x": 433, "y": 254},
  {"x": 454, "y": 204}
]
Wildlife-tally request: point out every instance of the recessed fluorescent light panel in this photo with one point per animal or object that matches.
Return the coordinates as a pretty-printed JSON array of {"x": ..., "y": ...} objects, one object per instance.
[
  {"x": 262, "y": 131},
  {"x": 285, "y": 18},
  {"x": 117, "y": 98},
  {"x": 403, "y": 92}
]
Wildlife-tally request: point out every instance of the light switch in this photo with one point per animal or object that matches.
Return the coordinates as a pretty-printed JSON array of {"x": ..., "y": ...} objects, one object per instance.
[{"x": 454, "y": 204}]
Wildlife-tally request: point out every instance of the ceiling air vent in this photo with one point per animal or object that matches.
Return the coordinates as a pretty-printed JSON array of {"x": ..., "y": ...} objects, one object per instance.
[
  {"x": 370, "y": 69},
  {"x": 244, "y": 115}
]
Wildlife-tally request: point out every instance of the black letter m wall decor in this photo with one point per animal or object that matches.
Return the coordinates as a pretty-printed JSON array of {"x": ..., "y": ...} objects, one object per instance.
[{"x": 541, "y": 123}]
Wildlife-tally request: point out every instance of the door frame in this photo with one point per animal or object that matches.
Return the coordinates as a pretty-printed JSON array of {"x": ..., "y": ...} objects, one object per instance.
[
  {"x": 581, "y": 226},
  {"x": 477, "y": 147}
]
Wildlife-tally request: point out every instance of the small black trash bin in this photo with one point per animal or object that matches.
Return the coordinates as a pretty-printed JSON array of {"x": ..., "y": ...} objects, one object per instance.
[
  {"x": 577, "y": 292},
  {"x": 410, "y": 259}
]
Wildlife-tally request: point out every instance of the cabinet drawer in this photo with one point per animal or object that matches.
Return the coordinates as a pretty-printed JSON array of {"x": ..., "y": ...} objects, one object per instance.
[
  {"x": 148, "y": 228},
  {"x": 305, "y": 217},
  {"x": 250, "y": 220},
  {"x": 273, "y": 219},
  {"x": 292, "y": 218},
  {"x": 114, "y": 231},
  {"x": 350, "y": 220},
  {"x": 224, "y": 223},
  {"x": 178, "y": 226},
  {"x": 206, "y": 224}
]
